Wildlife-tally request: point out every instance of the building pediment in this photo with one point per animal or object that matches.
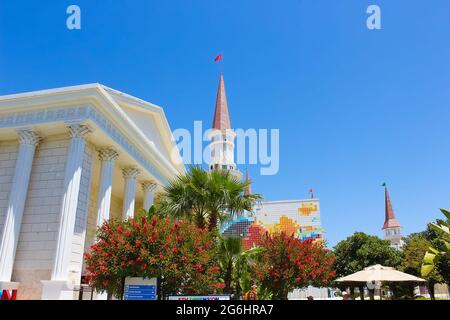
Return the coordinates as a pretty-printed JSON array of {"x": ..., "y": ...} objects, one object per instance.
[{"x": 139, "y": 126}]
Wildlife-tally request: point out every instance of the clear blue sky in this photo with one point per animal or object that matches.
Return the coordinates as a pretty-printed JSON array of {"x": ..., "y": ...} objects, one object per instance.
[{"x": 354, "y": 107}]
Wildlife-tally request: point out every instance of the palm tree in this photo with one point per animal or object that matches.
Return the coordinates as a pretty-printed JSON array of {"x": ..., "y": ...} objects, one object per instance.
[
  {"x": 242, "y": 270},
  {"x": 235, "y": 264},
  {"x": 206, "y": 197}
]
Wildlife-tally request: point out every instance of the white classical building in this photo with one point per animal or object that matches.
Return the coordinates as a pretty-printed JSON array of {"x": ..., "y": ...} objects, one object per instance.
[{"x": 71, "y": 158}]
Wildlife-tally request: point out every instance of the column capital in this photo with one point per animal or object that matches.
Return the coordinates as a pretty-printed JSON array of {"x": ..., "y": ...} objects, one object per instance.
[
  {"x": 148, "y": 186},
  {"x": 130, "y": 172},
  {"x": 107, "y": 154},
  {"x": 28, "y": 136},
  {"x": 78, "y": 130}
]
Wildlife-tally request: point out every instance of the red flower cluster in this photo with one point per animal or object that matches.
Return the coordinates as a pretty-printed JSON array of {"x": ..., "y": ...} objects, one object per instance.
[
  {"x": 150, "y": 248},
  {"x": 289, "y": 263}
]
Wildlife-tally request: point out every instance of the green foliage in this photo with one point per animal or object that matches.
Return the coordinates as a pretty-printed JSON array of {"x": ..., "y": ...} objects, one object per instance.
[
  {"x": 416, "y": 245},
  {"x": 230, "y": 249},
  {"x": 206, "y": 197},
  {"x": 243, "y": 270},
  {"x": 235, "y": 264},
  {"x": 361, "y": 250},
  {"x": 148, "y": 213},
  {"x": 151, "y": 212},
  {"x": 438, "y": 255},
  {"x": 402, "y": 290}
]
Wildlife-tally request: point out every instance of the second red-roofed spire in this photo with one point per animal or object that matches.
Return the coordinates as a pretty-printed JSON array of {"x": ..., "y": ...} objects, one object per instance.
[
  {"x": 389, "y": 221},
  {"x": 248, "y": 188},
  {"x": 391, "y": 227}
]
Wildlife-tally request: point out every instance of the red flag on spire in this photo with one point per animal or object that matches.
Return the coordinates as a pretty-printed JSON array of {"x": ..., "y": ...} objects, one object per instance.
[{"x": 218, "y": 58}]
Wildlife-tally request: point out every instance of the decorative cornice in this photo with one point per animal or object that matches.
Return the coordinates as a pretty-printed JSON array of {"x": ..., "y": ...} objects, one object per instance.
[
  {"x": 32, "y": 117},
  {"x": 28, "y": 136},
  {"x": 107, "y": 154},
  {"x": 79, "y": 113},
  {"x": 149, "y": 186},
  {"x": 130, "y": 172}
]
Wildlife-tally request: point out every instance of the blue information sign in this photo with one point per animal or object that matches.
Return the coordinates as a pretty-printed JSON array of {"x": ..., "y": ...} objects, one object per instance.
[{"x": 140, "y": 291}]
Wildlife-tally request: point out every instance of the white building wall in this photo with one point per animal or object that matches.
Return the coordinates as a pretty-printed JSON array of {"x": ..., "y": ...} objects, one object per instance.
[
  {"x": 316, "y": 293},
  {"x": 116, "y": 207},
  {"x": 37, "y": 240},
  {"x": 8, "y": 157}
]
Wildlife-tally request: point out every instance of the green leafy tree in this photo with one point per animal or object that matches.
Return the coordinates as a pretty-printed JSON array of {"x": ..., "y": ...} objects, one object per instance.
[
  {"x": 243, "y": 270},
  {"x": 360, "y": 251},
  {"x": 206, "y": 198},
  {"x": 437, "y": 256},
  {"x": 235, "y": 264},
  {"x": 414, "y": 250}
]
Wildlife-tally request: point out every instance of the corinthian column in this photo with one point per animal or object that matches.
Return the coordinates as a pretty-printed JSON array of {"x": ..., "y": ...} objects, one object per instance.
[
  {"x": 129, "y": 193},
  {"x": 28, "y": 140},
  {"x": 107, "y": 157},
  {"x": 149, "y": 188},
  {"x": 59, "y": 287}
]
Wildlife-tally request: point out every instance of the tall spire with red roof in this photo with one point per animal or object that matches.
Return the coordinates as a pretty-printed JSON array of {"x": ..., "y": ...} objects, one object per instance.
[
  {"x": 222, "y": 136},
  {"x": 221, "y": 119},
  {"x": 391, "y": 227},
  {"x": 389, "y": 218}
]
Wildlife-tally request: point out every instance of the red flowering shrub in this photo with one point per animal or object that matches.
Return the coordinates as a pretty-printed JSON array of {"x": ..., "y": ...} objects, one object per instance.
[
  {"x": 288, "y": 263},
  {"x": 180, "y": 254}
]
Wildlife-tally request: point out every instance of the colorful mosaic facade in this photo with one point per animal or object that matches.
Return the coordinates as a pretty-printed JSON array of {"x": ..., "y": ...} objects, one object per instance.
[{"x": 300, "y": 218}]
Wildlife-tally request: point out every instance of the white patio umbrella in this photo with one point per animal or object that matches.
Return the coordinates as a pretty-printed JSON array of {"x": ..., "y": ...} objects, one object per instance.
[
  {"x": 380, "y": 273},
  {"x": 374, "y": 275}
]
